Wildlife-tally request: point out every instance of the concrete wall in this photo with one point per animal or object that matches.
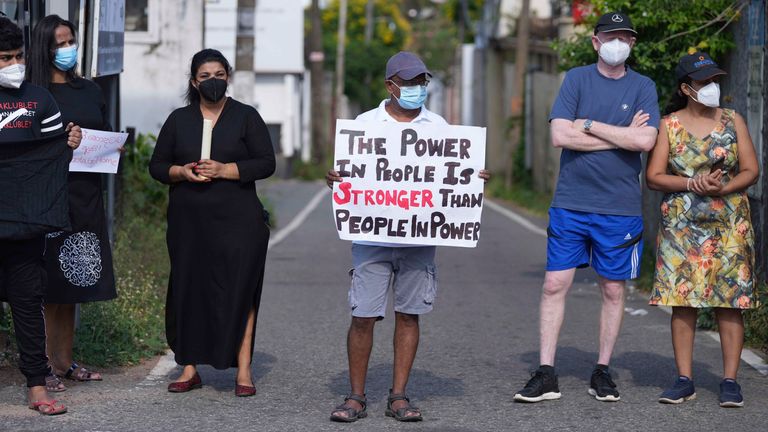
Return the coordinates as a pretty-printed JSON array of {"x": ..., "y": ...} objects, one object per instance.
[
  {"x": 157, "y": 67},
  {"x": 545, "y": 159}
]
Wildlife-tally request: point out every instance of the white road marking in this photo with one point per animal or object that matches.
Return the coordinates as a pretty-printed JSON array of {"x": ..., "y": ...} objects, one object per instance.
[
  {"x": 525, "y": 223},
  {"x": 166, "y": 363},
  {"x": 163, "y": 367},
  {"x": 299, "y": 218}
]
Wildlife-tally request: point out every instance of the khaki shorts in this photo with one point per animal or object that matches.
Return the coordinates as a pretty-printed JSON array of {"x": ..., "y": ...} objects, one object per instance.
[{"x": 410, "y": 271}]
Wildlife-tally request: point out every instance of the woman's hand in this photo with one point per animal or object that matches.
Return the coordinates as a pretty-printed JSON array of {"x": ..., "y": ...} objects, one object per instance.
[
  {"x": 187, "y": 173},
  {"x": 332, "y": 176},
  {"x": 485, "y": 175},
  {"x": 216, "y": 170},
  {"x": 707, "y": 184},
  {"x": 75, "y": 135}
]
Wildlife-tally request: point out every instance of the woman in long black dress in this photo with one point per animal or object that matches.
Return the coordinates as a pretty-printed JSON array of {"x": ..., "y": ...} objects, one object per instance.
[
  {"x": 78, "y": 262},
  {"x": 217, "y": 236}
]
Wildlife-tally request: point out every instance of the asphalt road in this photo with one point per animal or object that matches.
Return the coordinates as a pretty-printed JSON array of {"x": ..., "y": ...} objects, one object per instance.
[{"x": 477, "y": 348}]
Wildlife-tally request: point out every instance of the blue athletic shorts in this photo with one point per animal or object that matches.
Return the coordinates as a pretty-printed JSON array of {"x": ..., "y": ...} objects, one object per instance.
[{"x": 611, "y": 244}]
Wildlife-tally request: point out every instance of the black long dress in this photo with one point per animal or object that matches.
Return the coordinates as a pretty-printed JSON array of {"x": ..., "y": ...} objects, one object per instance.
[
  {"x": 217, "y": 237},
  {"x": 79, "y": 262}
]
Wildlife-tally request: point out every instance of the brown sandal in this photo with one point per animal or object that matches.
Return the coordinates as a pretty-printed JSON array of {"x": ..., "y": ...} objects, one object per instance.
[
  {"x": 77, "y": 373},
  {"x": 53, "y": 383}
]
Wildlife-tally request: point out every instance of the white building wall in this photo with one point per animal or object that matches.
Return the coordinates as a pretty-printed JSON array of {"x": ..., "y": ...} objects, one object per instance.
[
  {"x": 510, "y": 9},
  {"x": 155, "y": 79},
  {"x": 221, "y": 27}
]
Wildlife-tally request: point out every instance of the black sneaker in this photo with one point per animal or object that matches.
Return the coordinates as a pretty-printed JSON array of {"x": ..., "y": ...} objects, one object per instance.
[
  {"x": 542, "y": 386},
  {"x": 601, "y": 386}
]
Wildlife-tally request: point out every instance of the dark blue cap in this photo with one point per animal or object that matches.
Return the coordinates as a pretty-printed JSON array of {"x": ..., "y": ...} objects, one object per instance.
[
  {"x": 699, "y": 66},
  {"x": 406, "y": 65}
]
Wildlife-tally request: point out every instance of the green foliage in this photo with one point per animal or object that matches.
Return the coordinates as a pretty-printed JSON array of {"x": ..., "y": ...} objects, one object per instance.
[
  {"x": 667, "y": 30},
  {"x": 365, "y": 63},
  {"x": 452, "y": 12},
  {"x": 128, "y": 329},
  {"x": 435, "y": 41},
  {"x": 756, "y": 322},
  {"x": 310, "y": 170},
  {"x": 140, "y": 194},
  {"x": 520, "y": 194}
]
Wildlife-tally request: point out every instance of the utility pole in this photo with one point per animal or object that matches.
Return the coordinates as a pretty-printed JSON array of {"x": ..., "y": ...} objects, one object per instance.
[
  {"x": 521, "y": 66},
  {"x": 340, "y": 49},
  {"x": 317, "y": 109}
]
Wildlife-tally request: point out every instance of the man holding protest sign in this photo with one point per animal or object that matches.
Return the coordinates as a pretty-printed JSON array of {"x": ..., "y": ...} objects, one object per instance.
[
  {"x": 604, "y": 117},
  {"x": 409, "y": 263}
]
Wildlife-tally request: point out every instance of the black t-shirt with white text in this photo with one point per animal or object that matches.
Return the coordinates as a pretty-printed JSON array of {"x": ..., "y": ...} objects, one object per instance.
[
  {"x": 34, "y": 163},
  {"x": 28, "y": 112}
]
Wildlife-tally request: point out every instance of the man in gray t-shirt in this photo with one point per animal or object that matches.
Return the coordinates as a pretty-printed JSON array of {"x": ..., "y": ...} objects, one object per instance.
[{"x": 604, "y": 117}]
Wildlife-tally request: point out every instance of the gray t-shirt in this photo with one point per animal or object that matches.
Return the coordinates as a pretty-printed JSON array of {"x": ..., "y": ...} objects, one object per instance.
[{"x": 605, "y": 182}]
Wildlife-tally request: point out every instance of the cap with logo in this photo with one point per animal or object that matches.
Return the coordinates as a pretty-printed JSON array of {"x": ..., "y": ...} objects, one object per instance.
[
  {"x": 699, "y": 66},
  {"x": 614, "y": 21},
  {"x": 406, "y": 65}
]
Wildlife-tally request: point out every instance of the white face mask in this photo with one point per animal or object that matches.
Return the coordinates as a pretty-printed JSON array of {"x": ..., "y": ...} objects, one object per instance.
[
  {"x": 614, "y": 52},
  {"x": 709, "y": 95},
  {"x": 12, "y": 76}
]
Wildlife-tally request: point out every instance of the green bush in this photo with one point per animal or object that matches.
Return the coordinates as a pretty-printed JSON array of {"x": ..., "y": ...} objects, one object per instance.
[
  {"x": 756, "y": 322},
  {"x": 125, "y": 330},
  {"x": 520, "y": 194}
]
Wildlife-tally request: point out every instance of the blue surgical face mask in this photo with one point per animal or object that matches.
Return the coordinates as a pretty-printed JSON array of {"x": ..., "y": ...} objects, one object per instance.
[
  {"x": 411, "y": 97},
  {"x": 66, "y": 58}
]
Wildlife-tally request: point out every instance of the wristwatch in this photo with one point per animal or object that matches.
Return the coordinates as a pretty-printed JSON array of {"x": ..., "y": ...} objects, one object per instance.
[{"x": 587, "y": 125}]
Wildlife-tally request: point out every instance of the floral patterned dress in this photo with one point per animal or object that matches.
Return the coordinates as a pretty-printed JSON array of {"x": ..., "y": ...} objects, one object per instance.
[{"x": 705, "y": 252}]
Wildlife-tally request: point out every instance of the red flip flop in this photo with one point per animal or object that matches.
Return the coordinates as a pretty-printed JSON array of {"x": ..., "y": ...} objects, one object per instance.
[{"x": 52, "y": 408}]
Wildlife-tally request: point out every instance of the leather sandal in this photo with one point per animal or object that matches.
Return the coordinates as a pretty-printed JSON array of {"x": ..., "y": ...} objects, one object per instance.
[
  {"x": 77, "y": 373},
  {"x": 53, "y": 384},
  {"x": 353, "y": 415},
  {"x": 402, "y": 413}
]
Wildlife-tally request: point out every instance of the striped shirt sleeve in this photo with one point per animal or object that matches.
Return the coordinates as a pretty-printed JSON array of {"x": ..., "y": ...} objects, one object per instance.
[{"x": 51, "y": 123}]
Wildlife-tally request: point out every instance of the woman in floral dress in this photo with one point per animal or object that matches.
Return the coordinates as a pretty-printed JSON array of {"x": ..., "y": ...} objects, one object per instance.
[{"x": 704, "y": 161}]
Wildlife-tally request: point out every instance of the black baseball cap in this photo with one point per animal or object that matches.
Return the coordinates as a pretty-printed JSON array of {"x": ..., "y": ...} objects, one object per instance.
[
  {"x": 614, "y": 21},
  {"x": 406, "y": 65},
  {"x": 699, "y": 66}
]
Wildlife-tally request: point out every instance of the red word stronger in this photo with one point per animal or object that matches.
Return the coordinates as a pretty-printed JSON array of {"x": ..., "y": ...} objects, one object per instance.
[{"x": 404, "y": 199}]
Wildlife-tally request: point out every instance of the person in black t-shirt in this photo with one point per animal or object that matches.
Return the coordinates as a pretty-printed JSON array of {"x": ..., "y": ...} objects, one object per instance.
[
  {"x": 27, "y": 113},
  {"x": 82, "y": 273}
]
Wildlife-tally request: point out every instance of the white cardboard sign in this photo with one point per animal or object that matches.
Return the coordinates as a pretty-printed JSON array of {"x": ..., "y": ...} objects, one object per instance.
[
  {"x": 99, "y": 152},
  {"x": 409, "y": 183}
]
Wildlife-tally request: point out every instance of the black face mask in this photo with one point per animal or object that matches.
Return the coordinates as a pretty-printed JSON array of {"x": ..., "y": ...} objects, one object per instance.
[{"x": 212, "y": 89}]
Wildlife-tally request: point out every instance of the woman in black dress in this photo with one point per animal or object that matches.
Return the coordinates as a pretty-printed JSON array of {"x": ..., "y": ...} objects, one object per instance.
[
  {"x": 217, "y": 236},
  {"x": 78, "y": 262}
]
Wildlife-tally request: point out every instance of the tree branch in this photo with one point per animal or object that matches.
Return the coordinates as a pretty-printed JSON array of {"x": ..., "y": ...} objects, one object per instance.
[{"x": 717, "y": 19}]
